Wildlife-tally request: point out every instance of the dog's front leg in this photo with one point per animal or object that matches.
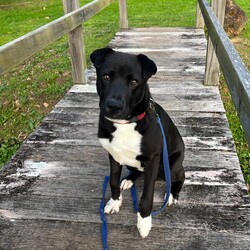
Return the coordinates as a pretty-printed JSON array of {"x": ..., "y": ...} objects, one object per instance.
[
  {"x": 113, "y": 205},
  {"x": 144, "y": 218}
]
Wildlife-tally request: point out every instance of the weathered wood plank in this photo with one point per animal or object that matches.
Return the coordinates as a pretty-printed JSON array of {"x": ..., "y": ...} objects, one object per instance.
[
  {"x": 179, "y": 44},
  {"x": 162, "y": 87},
  {"x": 202, "y": 169},
  {"x": 212, "y": 187},
  {"x": 83, "y": 123},
  {"x": 74, "y": 152},
  {"x": 49, "y": 132},
  {"x": 84, "y": 179},
  {"x": 177, "y": 102},
  {"x": 195, "y": 160},
  {"x": 172, "y": 31},
  {"x": 76, "y": 235},
  {"x": 55, "y": 157},
  {"x": 81, "y": 209}
]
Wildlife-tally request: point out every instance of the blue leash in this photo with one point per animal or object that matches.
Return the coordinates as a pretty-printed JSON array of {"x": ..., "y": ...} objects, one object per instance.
[
  {"x": 103, "y": 217},
  {"x": 134, "y": 192}
]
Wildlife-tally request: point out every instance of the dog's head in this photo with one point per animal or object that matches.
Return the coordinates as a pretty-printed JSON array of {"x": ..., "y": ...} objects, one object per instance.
[{"x": 121, "y": 81}]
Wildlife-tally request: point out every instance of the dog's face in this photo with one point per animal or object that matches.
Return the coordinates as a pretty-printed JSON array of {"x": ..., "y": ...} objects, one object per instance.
[{"x": 121, "y": 81}]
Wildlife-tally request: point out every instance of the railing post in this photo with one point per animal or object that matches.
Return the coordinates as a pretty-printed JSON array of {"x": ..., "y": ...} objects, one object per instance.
[
  {"x": 123, "y": 14},
  {"x": 76, "y": 46},
  {"x": 212, "y": 73},
  {"x": 199, "y": 18}
]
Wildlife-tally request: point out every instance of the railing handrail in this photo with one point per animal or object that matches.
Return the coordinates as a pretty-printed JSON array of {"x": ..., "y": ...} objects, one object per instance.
[
  {"x": 22, "y": 48},
  {"x": 235, "y": 72}
]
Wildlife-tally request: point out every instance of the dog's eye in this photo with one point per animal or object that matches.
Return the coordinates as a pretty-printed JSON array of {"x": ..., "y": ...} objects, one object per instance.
[
  {"x": 106, "y": 77},
  {"x": 133, "y": 83}
]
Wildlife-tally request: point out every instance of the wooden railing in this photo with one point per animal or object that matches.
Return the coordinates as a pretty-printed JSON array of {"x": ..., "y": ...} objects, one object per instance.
[
  {"x": 20, "y": 49},
  {"x": 236, "y": 74}
]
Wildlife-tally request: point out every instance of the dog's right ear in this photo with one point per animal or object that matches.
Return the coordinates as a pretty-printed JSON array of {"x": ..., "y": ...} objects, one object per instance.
[{"x": 97, "y": 57}]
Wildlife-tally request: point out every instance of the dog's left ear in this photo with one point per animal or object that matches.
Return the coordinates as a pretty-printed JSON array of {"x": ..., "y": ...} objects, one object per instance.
[
  {"x": 97, "y": 57},
  {"x": 148, "y": 66}
]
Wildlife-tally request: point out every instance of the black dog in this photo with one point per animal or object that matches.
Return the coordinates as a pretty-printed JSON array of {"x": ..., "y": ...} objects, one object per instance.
[{"x": 129, "y": 131}]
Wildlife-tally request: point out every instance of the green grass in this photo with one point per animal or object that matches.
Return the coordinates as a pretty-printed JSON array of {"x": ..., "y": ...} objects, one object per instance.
[
  {"x": 31, "y": 90},
  {"x": 171, "y": 13}
]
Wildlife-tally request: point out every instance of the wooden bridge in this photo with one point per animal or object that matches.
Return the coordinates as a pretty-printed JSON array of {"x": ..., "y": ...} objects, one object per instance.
[{"x": 51, "y": 189}]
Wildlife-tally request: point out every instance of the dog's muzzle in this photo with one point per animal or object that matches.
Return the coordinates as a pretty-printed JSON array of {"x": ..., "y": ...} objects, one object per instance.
[{"x": 114, "y": 108}]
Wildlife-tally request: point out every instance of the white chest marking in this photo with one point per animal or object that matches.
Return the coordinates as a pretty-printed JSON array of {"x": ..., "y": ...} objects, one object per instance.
[{"x": 125, "y": 145}]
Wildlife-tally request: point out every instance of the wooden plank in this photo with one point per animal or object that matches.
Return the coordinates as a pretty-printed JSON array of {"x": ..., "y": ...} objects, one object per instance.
[
  {"x": 84, "y": 209},
  {"x": 75, "y": 152},
  {"x": 222, "y": 163},
  {"x": 197, "y": 42},
  {"x": 210, "y": 186},
  {"x": 169, "y": 102},
  {"x": 158, "y": 87},
  {"x": 76, "y": 235},
  {"x": 65, "y": 166},
  {"x": 76, "y": 46},
  {"x": 71, "y": 116},
  {"x": 74, "y": 126},
  {"x": 235, "y": 72},
  {"x": 196, "y": 157},
  {"x": 175, "y": 31},
  {"x": 173, "y": 50},
  {"x": 15, "y": 52}
]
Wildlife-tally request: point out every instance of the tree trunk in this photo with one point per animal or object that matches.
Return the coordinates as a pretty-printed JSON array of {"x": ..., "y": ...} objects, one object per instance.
[{"x": 235, "y": 19}]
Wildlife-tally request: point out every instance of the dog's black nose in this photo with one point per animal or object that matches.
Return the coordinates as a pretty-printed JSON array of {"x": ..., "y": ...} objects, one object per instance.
[{"x": 114, "y": 106}]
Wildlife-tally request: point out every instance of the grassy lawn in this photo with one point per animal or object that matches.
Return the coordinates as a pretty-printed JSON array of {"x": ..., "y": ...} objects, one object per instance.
[{"x": 31, "y": 90}]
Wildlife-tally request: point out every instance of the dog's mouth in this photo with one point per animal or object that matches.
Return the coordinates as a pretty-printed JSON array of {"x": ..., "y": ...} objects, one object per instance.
[{"x": 116, "y": 116}]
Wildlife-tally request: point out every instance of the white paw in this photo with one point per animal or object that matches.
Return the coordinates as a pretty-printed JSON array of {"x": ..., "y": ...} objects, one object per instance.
[
  {"x": 113, "y": 206},
  {"x": 126, "y": 184},
  {"x": 144, "y": 225},
  {"x": 171, "y": 200}
]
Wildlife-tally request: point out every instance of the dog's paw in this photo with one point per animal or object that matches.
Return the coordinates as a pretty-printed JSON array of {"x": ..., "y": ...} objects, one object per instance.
[
  {"x": 113, "y": 206},
  {"x": 126, "y": 184},
  {"x": 171, "y": 200},
  {"x": 144, "y": 225}
]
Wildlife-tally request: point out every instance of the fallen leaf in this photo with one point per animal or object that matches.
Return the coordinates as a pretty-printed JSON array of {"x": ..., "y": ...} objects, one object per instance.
[
  {"x": 17, "y": 103},
  {"x": 45, "y": 104}
]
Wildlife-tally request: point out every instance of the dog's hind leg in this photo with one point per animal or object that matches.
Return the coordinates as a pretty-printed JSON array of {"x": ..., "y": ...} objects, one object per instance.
[
  {"x": 129, "y": 180},
  {"x": 175, "y": 189}
]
